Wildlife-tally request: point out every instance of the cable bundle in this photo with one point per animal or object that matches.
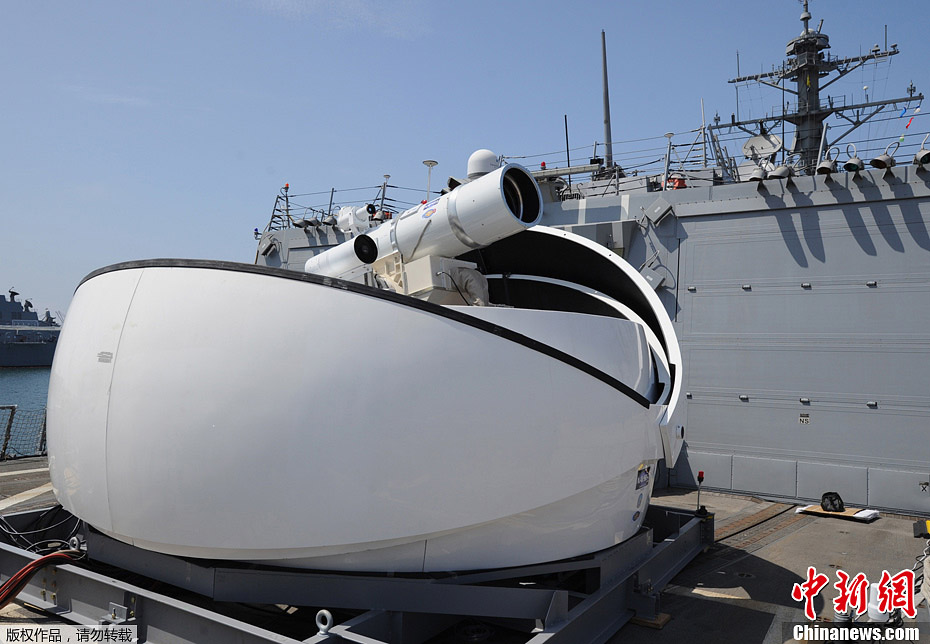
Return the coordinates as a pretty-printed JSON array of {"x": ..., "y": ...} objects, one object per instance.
[{"x": 17, "y": 582}]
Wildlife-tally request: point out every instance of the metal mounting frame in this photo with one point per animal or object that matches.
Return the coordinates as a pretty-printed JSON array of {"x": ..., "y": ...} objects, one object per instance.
[{"x": 586, "y": 599}]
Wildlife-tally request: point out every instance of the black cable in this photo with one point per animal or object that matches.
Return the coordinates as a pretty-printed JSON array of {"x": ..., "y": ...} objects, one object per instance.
[
  {"x": 456, "y": 287},
  {"x": 21, "y": 537},
  {"x": 52, "y": 547},
  {"x": 15, "y": 584},
  {"x": 62, "y": 522},
  {"x": 11, "y": 532}
]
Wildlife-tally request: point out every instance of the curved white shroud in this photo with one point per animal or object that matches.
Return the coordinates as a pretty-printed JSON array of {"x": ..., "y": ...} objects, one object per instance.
[
  {"x": 614, "y": 269},
  {"x": 376, "y": 432}
]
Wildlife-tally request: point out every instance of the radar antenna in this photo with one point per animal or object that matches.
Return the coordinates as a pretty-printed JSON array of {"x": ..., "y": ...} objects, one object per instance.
[{"x": 806, "y": 67}]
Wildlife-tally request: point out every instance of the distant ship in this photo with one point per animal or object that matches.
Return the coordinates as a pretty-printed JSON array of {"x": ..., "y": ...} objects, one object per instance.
[{"x": 25, "y": 340}]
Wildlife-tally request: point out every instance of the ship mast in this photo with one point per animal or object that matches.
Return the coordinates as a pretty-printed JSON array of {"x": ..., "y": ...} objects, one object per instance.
[
  {"x": 806, "y": 70},
  {"x": 609, "y": 157},
  {"x": 806, "y": 67}
]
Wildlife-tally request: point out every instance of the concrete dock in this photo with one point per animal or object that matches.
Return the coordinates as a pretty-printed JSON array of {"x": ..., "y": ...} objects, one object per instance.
[{"x": 739, "y": 590}]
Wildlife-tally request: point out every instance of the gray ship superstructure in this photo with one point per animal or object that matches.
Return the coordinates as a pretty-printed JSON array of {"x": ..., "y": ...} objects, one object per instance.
[
  {"x": 797, "y": 279},
  {"x": 25, "y": 340}
]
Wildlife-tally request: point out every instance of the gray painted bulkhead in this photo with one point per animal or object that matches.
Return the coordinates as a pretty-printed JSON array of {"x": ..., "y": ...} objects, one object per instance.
[{"x": 802, "y": 310}]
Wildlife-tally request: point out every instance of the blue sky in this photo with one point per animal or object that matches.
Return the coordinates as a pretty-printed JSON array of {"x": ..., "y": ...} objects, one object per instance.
[{"x": 132, "y": 130}]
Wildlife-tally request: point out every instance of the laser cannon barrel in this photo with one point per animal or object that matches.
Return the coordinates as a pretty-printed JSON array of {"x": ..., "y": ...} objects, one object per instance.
[{"x": 474, "y": 215}]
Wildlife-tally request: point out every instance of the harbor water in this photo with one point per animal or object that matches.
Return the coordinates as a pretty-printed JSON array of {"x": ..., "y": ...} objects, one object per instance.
[{"x": 25, "y": 387}]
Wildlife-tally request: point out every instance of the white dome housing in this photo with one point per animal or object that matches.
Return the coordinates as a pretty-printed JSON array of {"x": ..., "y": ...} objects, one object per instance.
[
  {"x": 440, "y": 470},
  {"x": 481, "y": 162}
]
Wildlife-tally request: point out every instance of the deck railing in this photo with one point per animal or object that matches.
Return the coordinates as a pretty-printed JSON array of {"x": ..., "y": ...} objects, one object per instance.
[{"x": 23, "y": 432}]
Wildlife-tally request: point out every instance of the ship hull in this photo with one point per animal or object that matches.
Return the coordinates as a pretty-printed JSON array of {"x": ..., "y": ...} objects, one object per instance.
[
  {"x": 358, "y": 430},
  {"x": 27, "y": 348},
  {"x": 26, "y": 354},
  {"x": 800, "y": 310}
]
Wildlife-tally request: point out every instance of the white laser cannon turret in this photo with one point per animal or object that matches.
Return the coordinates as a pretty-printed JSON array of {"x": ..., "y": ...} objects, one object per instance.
[
  {"x": 442, "y": 473},
  {"x": 474, "y": 215}
]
